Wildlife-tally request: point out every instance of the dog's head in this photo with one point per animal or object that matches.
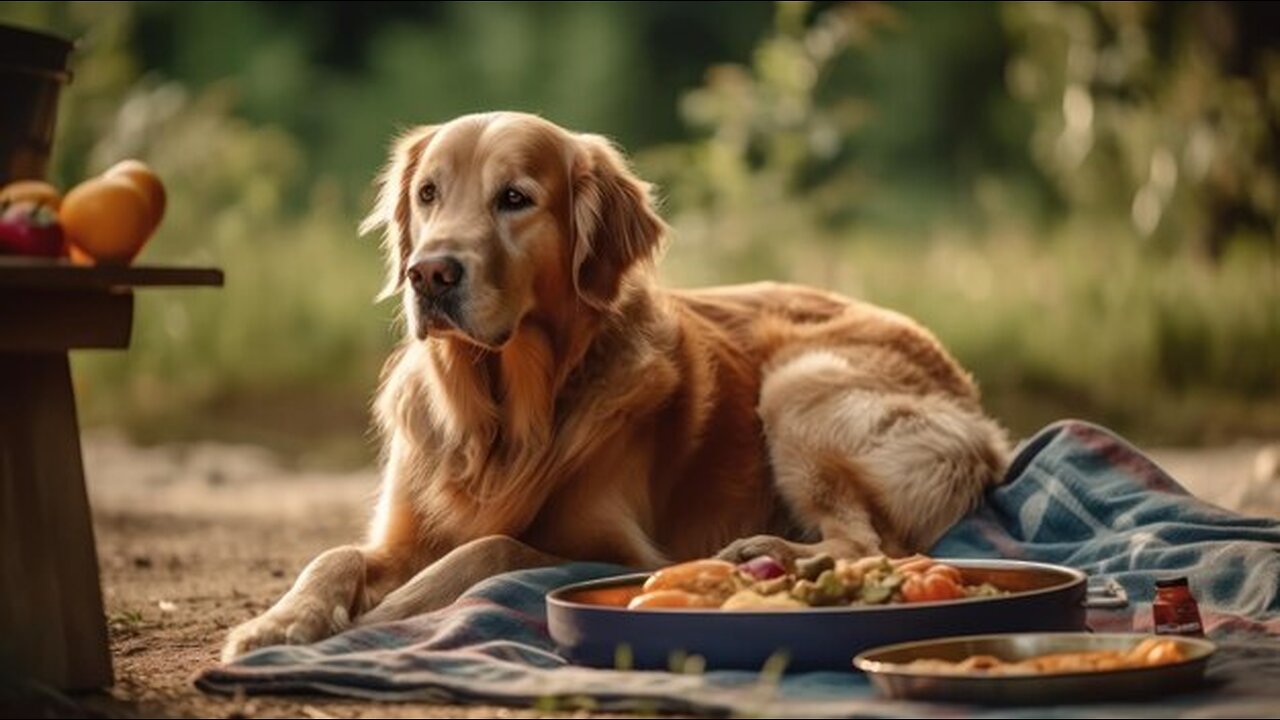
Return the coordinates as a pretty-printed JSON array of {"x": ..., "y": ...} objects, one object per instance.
[{"x": 492, "y": 219}]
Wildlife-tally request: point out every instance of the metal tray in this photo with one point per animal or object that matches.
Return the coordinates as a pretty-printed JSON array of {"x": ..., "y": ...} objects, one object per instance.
[
  {"x": 589, "y": 632},
  {"x": 886, "y": 666}
]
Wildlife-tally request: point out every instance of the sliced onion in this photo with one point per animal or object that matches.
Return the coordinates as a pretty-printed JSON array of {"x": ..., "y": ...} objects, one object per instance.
[{"x": 762, "y": 567}]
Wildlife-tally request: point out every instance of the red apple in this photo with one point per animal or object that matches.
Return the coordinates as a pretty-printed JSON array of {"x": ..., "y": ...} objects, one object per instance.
[{"x": 29, "y": 228}]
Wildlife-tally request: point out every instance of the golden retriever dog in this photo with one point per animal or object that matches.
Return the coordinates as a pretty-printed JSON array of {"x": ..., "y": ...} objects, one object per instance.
[{"x": 552, "y": 403}]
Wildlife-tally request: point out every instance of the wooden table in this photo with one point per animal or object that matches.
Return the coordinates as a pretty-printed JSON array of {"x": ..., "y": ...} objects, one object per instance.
[{"x": 52, "y": 627}]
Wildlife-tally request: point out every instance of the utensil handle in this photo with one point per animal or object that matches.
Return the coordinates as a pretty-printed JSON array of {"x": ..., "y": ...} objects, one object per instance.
[{"x": 1110, "y": 596}]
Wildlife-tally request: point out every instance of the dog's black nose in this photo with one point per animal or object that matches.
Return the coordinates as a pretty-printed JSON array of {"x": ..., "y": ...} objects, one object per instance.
[{"x": 435, "y": 276}]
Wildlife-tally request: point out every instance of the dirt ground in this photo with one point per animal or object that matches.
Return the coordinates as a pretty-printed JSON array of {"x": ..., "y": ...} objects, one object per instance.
[{"x": 193, "y": 539}]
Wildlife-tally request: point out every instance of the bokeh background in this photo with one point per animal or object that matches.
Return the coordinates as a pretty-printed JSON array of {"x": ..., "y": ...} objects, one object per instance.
[{"x": 1081, "y": 199}]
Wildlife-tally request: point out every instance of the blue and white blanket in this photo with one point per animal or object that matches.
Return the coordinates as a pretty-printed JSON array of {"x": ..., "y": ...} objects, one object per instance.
[{"x": 1076, "y": 495}]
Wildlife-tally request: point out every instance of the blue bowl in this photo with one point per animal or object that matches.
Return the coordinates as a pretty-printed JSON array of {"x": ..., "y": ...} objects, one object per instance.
[{"x": 1044, "y": 598}]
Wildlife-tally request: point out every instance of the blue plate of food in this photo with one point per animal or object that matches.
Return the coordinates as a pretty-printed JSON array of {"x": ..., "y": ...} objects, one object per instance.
[{"x": 815, "y": 615}]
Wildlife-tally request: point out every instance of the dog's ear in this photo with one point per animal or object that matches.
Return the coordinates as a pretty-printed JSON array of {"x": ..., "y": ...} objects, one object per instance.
[
  {"x": 615, "y": 225},
  {"x": 392, "y": 210}
]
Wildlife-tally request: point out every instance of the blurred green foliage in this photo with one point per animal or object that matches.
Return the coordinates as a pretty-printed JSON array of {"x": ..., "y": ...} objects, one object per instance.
[
  {"x": 1080, "y": 198},
  {"x": 1167, "y": 112}
]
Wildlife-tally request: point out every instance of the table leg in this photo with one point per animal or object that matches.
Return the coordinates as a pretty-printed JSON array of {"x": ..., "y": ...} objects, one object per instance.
[{"x": 52, "y": 627}]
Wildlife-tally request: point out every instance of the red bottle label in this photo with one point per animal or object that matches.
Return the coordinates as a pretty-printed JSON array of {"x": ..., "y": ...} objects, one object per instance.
[{"x": 1176, "y": 613}]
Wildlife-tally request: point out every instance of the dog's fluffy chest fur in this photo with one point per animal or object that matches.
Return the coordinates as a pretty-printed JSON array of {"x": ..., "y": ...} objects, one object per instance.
[{"x": 650, "y": 450}]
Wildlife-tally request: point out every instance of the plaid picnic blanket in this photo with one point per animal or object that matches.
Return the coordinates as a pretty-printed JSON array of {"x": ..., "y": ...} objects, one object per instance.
[{"x": 1076, "y": 495}]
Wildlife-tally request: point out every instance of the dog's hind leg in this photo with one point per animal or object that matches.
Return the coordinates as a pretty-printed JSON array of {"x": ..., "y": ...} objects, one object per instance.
[
  {"x": 443, "y": 581},
  {"x": 863, "y": 469}
]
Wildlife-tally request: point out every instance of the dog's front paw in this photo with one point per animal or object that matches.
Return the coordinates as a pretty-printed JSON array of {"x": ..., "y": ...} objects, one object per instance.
[
  {"x": 744, "y": 549},
  {"x": 296, "y": 625}
]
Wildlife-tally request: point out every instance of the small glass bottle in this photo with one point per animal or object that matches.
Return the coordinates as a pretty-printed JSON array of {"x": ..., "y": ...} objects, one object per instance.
[{"x": 1174, "y": 611}]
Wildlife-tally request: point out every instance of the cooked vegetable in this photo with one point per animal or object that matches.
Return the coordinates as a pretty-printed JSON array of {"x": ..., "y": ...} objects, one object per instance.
[
  {"x": 762, "y": 568},
  {"x": 873, "y": 594},
  {"x": 811, "y": 568},
  {"x": 752, "y": 600},
  {"x": 695, "y": 576},
  {"x": 946, "y": 571},
  {"x": 1150, "y": 652},
  {"x": 916, "y": 563},
  {"x": 819, "y": 581},
  {"x": 930, "y": 587}
]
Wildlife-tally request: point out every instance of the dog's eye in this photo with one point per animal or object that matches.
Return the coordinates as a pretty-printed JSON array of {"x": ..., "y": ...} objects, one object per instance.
[
  {"x": 427, "y": 193},
  {"x": 512, "y": 199}
]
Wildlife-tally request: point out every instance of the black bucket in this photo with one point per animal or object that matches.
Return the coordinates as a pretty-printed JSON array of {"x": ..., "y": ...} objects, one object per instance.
[{"x": 33, "y": 69}]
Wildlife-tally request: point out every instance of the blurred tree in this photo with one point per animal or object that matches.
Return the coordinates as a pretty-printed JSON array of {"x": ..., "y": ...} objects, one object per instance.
[
  {"x": 891, "y": 117},
  {"x": 344, "y": 77},
  {"x": 771, "y": 140},
  {"x": 1168, "y": 113}
]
